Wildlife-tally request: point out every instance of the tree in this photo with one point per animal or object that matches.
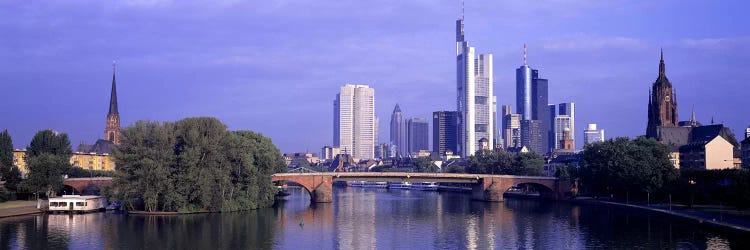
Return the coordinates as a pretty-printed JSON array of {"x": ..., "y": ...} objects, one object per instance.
[
  {"x": 48, "y": 160},
  {"x": 491, "y": 162},
  {"x": 622, "y": 165},
  {"x": 424, "y": 165},
  {"x": 194, "y": 164},
  {"x": 8, "y": 172}
]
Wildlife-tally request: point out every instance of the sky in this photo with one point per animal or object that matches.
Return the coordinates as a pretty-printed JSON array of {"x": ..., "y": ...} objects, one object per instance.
[{"x": 275, "y": 66}]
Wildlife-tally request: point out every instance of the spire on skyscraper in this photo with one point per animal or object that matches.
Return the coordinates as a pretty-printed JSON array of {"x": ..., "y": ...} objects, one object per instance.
[
  {"x": 662, "y": 68},
  {"x": 524, "y": 54}
]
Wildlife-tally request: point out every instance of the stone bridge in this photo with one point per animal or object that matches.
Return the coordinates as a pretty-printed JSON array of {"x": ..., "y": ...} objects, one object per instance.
[
  {"x": 484, "y": 187},
  {"x": 79, "y": 185}
]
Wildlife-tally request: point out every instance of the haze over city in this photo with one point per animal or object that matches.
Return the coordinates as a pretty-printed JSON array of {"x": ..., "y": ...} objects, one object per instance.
[{"x": 275, "y": 66}]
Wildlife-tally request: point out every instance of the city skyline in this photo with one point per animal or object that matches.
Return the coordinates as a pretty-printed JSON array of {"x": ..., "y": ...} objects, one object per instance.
[{"x": 157, "y": 81}]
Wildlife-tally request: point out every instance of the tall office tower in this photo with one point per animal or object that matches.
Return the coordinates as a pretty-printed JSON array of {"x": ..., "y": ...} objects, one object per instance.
[
  {"x": 563, "y": 124},
  {"x": 569, "y": 109},
  {"x": 444, "y": 132},
  {"x": 531, "y": 104},
  {"x": 531, "y": 135},
  {"x": 419, "y": 132},
  {"x": 512, "y": 130},
  {"x": 112, "y": 129},
  {"x": 354, "y": 127},
  {"x": 662, "y": 103},
  {"x": 398, "y": 129},
  {"x": 474, "y": 79},
  {"x": 496, "y": 126},
  {"x": 551, "y": 138},
  {"x": 747, "y": 132},
  {"x": 591, "y": 134}
]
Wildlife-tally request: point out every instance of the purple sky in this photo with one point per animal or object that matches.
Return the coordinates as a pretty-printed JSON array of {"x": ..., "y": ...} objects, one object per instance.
[{"x": 275, "y": 66}]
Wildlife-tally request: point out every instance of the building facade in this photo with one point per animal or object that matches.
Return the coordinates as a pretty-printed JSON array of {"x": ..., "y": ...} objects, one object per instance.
[
  {"x": 563, "y": 128},
  {"x": 591, "y": 134},
  {"x": 330, "y": 152},
  {"x": 112, "y": 129},
  {"x": 745, "y": 153},
  {"x": 662, "y": 103},
  {"x": 419, "y": 132},
  {"x": 444, "y": 132},
  {"x": 511, "y": 128},
  {"x": 398, "y": 132},
  {"x": 475, "y": 97},
  {"x": 531, "y": 104},
  {"x": 531, "y": 135},
  {"x": 716, "y": 153},
  {"x": 354, "y": 121}
]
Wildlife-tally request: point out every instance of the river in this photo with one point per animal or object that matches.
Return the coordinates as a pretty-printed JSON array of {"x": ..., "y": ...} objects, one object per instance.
[{"x": 361, "y": 218}]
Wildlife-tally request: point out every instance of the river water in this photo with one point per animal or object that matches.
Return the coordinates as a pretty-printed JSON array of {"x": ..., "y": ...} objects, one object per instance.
[{"x": 361, "y": 218}]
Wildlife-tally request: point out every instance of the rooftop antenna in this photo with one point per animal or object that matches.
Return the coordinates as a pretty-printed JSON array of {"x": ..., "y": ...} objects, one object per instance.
[
  {"x": 114, "y": 66},
  {"x": 462, "y": 10},
  {"x": 524, "y": 54}
]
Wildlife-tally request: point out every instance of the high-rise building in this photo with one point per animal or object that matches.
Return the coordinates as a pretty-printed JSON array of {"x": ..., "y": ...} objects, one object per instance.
[
  {"x": 419, "y": 132},
  {"x": 531, "y": 136},
  {"x": 511, "y": 128},
  {"x": 531, "y": 104},
  {"x": 354, "y": 128},
  {"x": 398, "y": 132},
  {"x": 592, "y": 135},
  {"x": 747, "y": 132},
  {"x": 662, "y": 103},
  {"x": 112, "y": 129},
  {"x": 475, "y": 97},
  {"x": 551, "y": 138},
  {"x": 566, "y": 110},
  {"x": 563, "y": 125},
  {"x": 444, "y": 132}
]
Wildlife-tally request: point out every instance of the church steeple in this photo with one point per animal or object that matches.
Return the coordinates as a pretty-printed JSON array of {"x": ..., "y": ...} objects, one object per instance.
[
  {"x": 662, "y": 68},
  {"x": 113, "y": 95},
  {"x": 112, "y": 130}
]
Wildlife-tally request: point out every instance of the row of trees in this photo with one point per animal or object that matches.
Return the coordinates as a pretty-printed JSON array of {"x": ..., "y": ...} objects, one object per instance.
[
  {"x": 194, "y": 164},
  {"x": 494, "y": 162},
  {"x": 47, "y": 161}
]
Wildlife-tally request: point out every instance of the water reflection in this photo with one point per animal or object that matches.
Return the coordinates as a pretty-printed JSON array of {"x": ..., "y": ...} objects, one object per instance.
[{"x": 362, "y": 218}]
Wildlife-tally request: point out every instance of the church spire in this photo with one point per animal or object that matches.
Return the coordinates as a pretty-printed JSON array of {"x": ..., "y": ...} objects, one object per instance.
[
  {"x": 113, "y": 95},
  {"x": 662, "y": 68}
]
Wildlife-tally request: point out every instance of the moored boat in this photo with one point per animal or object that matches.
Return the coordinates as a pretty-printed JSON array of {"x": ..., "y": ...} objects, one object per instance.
[
  {"x": 77, "y": 203},
  {"x": 425, "y": 186},
  {"x": 399, "y": 185}
]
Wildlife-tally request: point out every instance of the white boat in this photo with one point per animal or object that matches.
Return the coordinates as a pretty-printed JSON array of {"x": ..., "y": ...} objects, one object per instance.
[
  {"x": 375, "y": 184},
  {"x": 77, "y": 203},
  {"x": 355, "y": 183},
  {"x": 399, "y": 185},
  {"x": 426, "y": 186}
]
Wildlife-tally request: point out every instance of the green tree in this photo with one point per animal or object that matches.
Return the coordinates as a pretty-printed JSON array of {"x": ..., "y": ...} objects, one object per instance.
[
  {"x": 194, "y": 164},
  {"x": 8, "y": 172},
  {"x": 424, "y": 165},
  {"x": 622, "y": 165},
  {"x": 48, "y": 160},
  {"x": 491, "y": 162}
]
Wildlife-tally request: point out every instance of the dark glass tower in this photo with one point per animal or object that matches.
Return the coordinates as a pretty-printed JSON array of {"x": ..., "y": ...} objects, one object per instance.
[{"x": 445, "y": 132}]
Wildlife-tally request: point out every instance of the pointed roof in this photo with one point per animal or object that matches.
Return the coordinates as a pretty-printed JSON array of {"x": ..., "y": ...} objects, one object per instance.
[
  {"x": 397, "y": 109},
  {"x": 113, "y": 96}
]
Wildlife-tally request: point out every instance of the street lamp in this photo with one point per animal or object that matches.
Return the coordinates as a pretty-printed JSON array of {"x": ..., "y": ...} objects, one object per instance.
[{"x": 692, "y": 192}]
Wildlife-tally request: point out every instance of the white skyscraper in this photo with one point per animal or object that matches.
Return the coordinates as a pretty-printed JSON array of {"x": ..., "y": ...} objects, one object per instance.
[
  {"x": 563, "y": 123},
  {"x": 591, "y": 134},
  {"x": 475, "y": 97},
  {"x": 354, "y": 121}
]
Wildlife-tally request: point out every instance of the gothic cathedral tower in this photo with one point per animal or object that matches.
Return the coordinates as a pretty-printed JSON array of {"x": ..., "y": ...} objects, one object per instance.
[
  {"x": 112, "y": 131},
  {"x": 662, "y": 103}
]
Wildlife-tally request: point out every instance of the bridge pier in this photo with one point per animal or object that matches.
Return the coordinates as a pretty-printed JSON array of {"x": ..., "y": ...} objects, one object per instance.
[{"x": 490, "y": 189}]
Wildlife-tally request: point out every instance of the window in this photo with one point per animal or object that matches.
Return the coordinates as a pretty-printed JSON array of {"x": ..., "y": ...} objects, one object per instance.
[{"x": 79, "y": 204}]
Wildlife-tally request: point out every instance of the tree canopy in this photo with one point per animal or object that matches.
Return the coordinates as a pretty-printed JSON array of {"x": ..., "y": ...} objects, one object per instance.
[
  {"x": 623, "y": 165},
  {"x": 194, "y": 164},
  {"x": 48, "y": 160},
  {"x": 492, "y": 162},
  {"x": 424, "y": 165}
]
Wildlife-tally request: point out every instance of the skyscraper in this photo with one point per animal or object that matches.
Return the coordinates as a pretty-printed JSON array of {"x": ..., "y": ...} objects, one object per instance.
[
  {"x": 475, "y": 97},
  {"x": 444, "y": 132},
  {"x": 354, "y": 124},
  {"x": 662, "y": 103},
  {"x": 112, "y": 129},
  {"x": 531, "y": 104},
  {"x": 511, "y": 128},
  {"x": 563, "y": 125},
  {"x": 419, "y": 130},
  {"x": 531, "y": 136},
  {"x": 568, "y": 111},
  {"x": 398, "y": 132},
  {"x": 592, "y": 135}
]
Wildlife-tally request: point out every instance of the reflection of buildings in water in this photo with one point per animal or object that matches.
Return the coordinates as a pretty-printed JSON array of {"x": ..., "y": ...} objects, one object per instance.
[
  {"x": 355, "y": 219},
  {"x": 472, "y": 236}
]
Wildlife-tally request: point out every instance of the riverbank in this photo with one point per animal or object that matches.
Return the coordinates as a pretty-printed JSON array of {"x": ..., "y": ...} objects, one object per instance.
[
  {"x": 18, "y": 208},
  {"x": 701, "y": 217}
]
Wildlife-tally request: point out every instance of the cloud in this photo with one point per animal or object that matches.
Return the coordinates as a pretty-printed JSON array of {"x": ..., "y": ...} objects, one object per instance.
[{"x": 712, "y": 43}]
